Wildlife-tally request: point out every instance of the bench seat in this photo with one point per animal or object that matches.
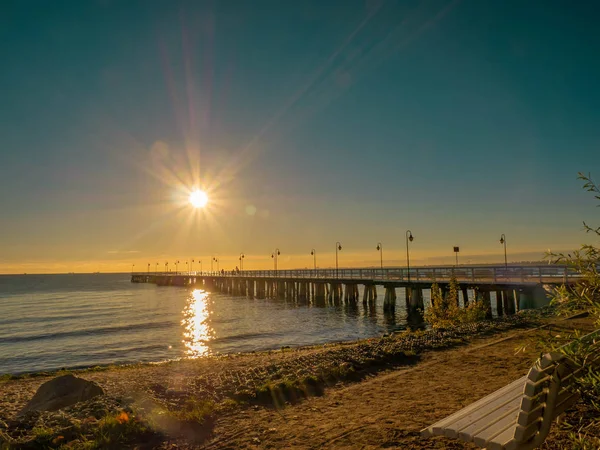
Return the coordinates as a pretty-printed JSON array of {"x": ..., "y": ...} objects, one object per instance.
[{"x": 519, "y": 415}]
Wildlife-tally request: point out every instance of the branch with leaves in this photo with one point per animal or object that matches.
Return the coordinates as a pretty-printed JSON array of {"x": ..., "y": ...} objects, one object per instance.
[{"x": 590, "y": 186}]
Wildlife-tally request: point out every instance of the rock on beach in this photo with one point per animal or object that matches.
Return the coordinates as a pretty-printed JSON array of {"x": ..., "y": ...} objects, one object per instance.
[{"x": 61, "y": 392}]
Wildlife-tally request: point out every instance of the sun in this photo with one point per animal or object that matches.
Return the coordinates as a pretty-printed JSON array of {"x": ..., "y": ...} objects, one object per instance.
[{"x": 198, "y": 199}]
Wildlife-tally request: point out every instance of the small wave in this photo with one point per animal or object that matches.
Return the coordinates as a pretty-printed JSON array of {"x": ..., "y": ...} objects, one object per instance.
[
  {"x": 79, "y": 355},
  {"x": 45, "y": 319},
  {"x": 88, "y": 332},
  {"x": 54, "y": 361},
  {"x": 243, "y": 337}
]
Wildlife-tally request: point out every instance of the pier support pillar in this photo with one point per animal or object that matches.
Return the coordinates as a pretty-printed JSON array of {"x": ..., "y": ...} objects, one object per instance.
[
  {"x": 432, "y": 295},
  {"x": 414, "y": 307},
  {"x": 319, "y": 297},
  {"x": 272, "y": 289},
  {"x": 415, "y": 299},
  {"x": 351, "y": 293},
  {"x": 465, "y": 295},
  {"x": 499, "y": 308},
  {"x": 526, "y": 299},
  {"x": 280, "y": 289},
  {"x": 445, "y": 291},
  {"x": 291, "y": 290},
  {"x": 484, "y": 296},
  {"x": 509, "y": 301},
  {"x": 369, "y": 294},
  {"x": 336, "y": 292},
  {"x": 389, "y": 301},
  {"x": 260, "y": 288},
  {"x": 302, "y": 291}
]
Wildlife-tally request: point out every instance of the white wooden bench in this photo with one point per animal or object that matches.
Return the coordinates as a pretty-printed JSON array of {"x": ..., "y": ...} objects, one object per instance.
[{"x": 519, "y": 415}]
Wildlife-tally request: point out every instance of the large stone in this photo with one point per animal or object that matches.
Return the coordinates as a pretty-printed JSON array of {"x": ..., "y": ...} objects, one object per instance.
[{"x": 61, "y": 392}]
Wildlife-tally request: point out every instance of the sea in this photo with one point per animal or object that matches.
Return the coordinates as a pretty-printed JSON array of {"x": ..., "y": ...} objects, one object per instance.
[{"x": 50, "y": 322}]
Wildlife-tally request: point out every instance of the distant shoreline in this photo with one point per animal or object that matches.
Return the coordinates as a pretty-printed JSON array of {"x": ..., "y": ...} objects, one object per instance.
[{"x": 501, "y": 265}]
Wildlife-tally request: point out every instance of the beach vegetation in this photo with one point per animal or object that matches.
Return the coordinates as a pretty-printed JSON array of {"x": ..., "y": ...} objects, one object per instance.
[
  {"x": 43, "y": 437},
  {"x": 585, "y": 293},
  {"x": 118, "y": 431},
  {"x": 582, "y": 430},
  {"x": 229, "y": 404},
  {"x": 195, "y": 410},
  {"x": 5, "y": 377},
  {"x": 445, "y": 311}
]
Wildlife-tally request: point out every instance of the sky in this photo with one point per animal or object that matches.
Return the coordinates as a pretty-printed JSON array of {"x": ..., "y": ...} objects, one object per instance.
[{"x": 307, "y": 123}]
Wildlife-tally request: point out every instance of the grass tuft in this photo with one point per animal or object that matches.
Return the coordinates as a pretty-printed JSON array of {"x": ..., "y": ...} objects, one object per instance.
[{"x": 196, "y": 410}]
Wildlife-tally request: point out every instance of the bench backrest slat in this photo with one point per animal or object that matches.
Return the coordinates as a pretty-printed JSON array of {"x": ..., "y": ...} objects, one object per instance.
[
  {"x": 547, "y": 392},
  {"x": 526, "y": 417}
]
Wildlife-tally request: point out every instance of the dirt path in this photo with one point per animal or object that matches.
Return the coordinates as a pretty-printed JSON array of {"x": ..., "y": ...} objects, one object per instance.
[{"x": 388, "y": 410}]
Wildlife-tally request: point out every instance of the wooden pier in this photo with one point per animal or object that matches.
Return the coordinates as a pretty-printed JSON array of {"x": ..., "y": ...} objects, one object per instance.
[{"x": 515, "y": 287}]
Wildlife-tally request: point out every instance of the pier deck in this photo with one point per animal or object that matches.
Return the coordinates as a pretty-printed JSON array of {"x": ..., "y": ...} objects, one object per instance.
[{"x": 514, "y": 287}]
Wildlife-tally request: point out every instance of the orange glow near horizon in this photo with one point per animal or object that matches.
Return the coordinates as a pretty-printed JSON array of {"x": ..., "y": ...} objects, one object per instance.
[{"x": 125, "y": 262}]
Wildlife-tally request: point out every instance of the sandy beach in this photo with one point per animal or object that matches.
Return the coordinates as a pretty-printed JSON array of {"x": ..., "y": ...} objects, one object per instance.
[{"x": 376, "y": 393}]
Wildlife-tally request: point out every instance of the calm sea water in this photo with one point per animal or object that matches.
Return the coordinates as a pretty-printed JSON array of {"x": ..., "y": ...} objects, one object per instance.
[{"x": 53, "y": 321}]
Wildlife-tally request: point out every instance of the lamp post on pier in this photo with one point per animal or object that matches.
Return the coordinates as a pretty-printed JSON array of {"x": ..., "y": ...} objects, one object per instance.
[
  {"x": 148, "y": 268},
  {"x": 503, "y": 242},
  {"x": 380, "y": 248},
  {"x": 274, "y": 255},
  {"x": 176, "y": 266},
  {"x": 217, "y": 261},
  {"x": 313, "y": 252},
  {"x": 156, "y": 269},
  {"x": 187, "y": 267},
  {"x": 242, "y": 256},
  {"x": 166, "y": 267},
  {"x": 338, "y": 246},
  {"x": 132, "y": 266},
  {"x": 409, "y": 237}
]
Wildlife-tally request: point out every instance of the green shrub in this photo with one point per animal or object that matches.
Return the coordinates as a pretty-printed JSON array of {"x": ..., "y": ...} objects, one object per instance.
[
  {"x": 196, "y": 410},
  {"x": 585, "y": 294},
  {"x": 445, "y": 311},
  {"x": 115, "y": 432}
]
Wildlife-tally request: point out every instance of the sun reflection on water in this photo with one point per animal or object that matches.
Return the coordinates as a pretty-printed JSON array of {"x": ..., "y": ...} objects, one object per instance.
[{"x": 196, "y": 332}]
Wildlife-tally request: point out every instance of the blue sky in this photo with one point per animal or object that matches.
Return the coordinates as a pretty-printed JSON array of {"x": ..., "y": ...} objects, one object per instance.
[{"x": 307, "y": 122}]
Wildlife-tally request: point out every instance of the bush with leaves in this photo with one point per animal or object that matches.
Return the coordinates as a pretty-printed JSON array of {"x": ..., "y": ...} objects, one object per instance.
[
  {"x": 585, "y": 294},
  {"x": 583, "y": 427},
  {"x": 445, "y": 311}
]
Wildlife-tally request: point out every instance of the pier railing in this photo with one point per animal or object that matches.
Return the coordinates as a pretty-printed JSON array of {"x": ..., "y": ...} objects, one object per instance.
[{"x": 482, "y": 274}]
